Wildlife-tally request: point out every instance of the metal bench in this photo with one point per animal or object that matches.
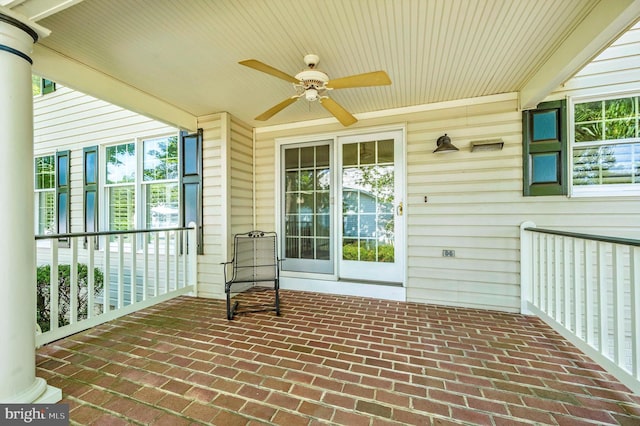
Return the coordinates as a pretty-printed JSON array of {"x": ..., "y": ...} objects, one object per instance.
[{"x": 255, "y": 267}]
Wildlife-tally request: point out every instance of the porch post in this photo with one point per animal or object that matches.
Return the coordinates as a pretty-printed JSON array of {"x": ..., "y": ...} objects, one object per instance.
[{"x": 18, "y": 382}]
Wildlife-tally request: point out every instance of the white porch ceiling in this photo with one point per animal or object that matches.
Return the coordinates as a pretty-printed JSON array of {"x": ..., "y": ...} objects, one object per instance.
[{"x": 184, "y": 54}]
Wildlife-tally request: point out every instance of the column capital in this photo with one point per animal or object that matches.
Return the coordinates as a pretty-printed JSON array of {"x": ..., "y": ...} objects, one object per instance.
[{"x": 22, "y": 22}]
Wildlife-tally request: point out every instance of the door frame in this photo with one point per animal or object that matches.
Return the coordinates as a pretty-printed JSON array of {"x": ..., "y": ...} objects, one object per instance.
[{"x": 279, "y": 200}]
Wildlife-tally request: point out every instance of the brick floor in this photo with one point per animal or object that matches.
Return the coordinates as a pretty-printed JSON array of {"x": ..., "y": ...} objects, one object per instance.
[{"x": 330, "y": 360}]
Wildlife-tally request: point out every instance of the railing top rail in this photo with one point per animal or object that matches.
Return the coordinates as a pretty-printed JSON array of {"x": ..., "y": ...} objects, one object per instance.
[
  {"x": 97, "y": 234},
  {"x": 601, "y": 238}
]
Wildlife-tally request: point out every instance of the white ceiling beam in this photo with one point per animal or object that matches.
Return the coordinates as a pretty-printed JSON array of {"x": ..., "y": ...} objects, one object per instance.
[
  {"x": 78, "y": 76},
  {"x": 40, "y": 9},
  {"x": 600, "y": 28}
]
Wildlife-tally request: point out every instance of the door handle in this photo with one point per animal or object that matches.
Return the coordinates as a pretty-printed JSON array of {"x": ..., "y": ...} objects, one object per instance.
[{"x": 399, "y": 209}]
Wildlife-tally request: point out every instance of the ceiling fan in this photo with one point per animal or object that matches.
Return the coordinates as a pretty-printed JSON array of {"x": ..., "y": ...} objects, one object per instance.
[{"x": 314, "y": 85}]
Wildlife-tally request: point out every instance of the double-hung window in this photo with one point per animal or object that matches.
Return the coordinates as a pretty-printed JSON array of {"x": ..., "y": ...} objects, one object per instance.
[
  {"x": 141, "y": 185},
  {"x": 160, "y": 182},
  {"x": 120, "y": 184},
  {"x": 45, "y": 197},
  {"x": 605, "y": 136}
]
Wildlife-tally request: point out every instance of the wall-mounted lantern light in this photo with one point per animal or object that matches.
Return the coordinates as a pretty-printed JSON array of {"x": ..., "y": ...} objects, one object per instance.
[{"x": 443, "y": 144}]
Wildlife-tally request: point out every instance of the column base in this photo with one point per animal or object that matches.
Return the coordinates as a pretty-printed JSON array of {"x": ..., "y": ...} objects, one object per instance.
[
  {"x": 38, "y": 393},
  {"x": 50, "y": 396}
]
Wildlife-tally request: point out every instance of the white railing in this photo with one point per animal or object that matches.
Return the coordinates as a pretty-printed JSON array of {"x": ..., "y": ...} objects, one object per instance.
[
  {"x": 587, "y": 287},
  {"x": 131, "y": 270}
]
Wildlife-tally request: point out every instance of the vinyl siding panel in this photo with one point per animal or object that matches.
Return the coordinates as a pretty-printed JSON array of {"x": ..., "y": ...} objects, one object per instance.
[
  {"x": 210, "y": 274},
  {"x": 616, "y": 69},
  {"x": 241, "y": 182}
]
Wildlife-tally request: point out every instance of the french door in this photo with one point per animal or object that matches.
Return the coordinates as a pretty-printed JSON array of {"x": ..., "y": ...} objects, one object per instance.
[{"x": 342, "y": 205}]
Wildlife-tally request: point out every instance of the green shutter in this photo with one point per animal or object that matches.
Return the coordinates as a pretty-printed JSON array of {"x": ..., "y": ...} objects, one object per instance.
[
  {"x": 63, "y": 202},
  {"x": 191, "y": 182},
  {"x": 47, "y": 86},
  {"x": 544, "y": 138}
]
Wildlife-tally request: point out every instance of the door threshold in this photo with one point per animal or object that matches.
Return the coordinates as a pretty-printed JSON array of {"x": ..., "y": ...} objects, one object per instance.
[{"x": 384, "y": 283}]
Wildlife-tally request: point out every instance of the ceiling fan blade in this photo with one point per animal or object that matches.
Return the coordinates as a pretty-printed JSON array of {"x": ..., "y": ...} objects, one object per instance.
[
  {"x": 338, "y": 111},
  {"x": 375, "y": 78},
  {"x": 260, "y": 66},
  {"x": 276, "y": 109}
]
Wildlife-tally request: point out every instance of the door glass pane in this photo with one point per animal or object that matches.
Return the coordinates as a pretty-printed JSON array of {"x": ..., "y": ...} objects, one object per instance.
[
  {"x": 306, "y": 203},
  {"x": 367, "y": 202}
]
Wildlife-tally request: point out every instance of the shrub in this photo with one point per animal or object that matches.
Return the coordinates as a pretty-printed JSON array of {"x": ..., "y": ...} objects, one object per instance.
[
  {"x": 64, "y": 293},
  {"x": 368, "y": 254}
]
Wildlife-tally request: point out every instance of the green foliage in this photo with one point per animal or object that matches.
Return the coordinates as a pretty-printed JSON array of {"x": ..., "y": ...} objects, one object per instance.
[
  {"x": 43, "y": 296},
  {"x": 35, "y": 84},
  {"x": 367, "y": 253}
]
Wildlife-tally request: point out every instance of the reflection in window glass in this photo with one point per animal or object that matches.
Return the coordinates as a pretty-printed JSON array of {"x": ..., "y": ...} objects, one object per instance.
[
  {"x": 606, "y": 137},
  {"x": 160, "y": 159},
  {"x": 367, "y": 200},
  {"x": 45, "y": 183},
  {"x": 121, "y": 163},
  {"x": 162, "y": 205},
  {"x": 306, "y": 197},
  {"x": 605, "y": 165}
]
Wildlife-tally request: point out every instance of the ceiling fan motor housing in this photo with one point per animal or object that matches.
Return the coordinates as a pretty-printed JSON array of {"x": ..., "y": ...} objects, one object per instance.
[{"x": 312, "y": 83}]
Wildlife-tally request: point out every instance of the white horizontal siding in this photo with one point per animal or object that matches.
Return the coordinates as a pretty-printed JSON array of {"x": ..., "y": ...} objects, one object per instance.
[
  {"x": 241, "y": 182},
  {"x": 617, "y": 69},
  {"x": 210, "y": 274}
]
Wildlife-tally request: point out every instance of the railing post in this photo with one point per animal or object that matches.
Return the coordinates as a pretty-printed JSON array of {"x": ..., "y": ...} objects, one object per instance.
[
  {"x": 192, "y": 253},
  {"x": 54, "y": 299},
  {"x": 90, "y": 275},
  {"x": 634, "y": 278},
  {"x": 526, "y": 266},
  {"x": 73, "y": 281}
]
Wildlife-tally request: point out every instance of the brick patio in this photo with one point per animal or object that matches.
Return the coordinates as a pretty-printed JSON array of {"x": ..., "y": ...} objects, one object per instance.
[{"x": 330, "y": 360}]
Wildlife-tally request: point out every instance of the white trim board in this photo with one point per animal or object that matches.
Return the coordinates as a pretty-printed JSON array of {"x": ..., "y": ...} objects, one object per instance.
[{"x": 345, "y": 288}]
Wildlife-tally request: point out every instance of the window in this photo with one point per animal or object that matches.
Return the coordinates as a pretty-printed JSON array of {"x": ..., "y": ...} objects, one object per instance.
[
  {"x": 120, "y": 185},
  {"x": 606, "y": 146},
  {"x": 149, "y": 199},
  {"x": 45, "y": 197},
  {"x": 160, "y": 182},
  {"x": 42, "y": 86}
]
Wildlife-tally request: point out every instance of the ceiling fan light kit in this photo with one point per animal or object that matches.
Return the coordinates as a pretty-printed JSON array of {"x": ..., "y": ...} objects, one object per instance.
[{"x": 314, "y": 84}]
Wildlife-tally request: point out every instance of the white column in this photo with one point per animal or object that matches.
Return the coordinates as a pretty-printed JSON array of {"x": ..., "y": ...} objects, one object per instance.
[{"x": 18, "y": 382}]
